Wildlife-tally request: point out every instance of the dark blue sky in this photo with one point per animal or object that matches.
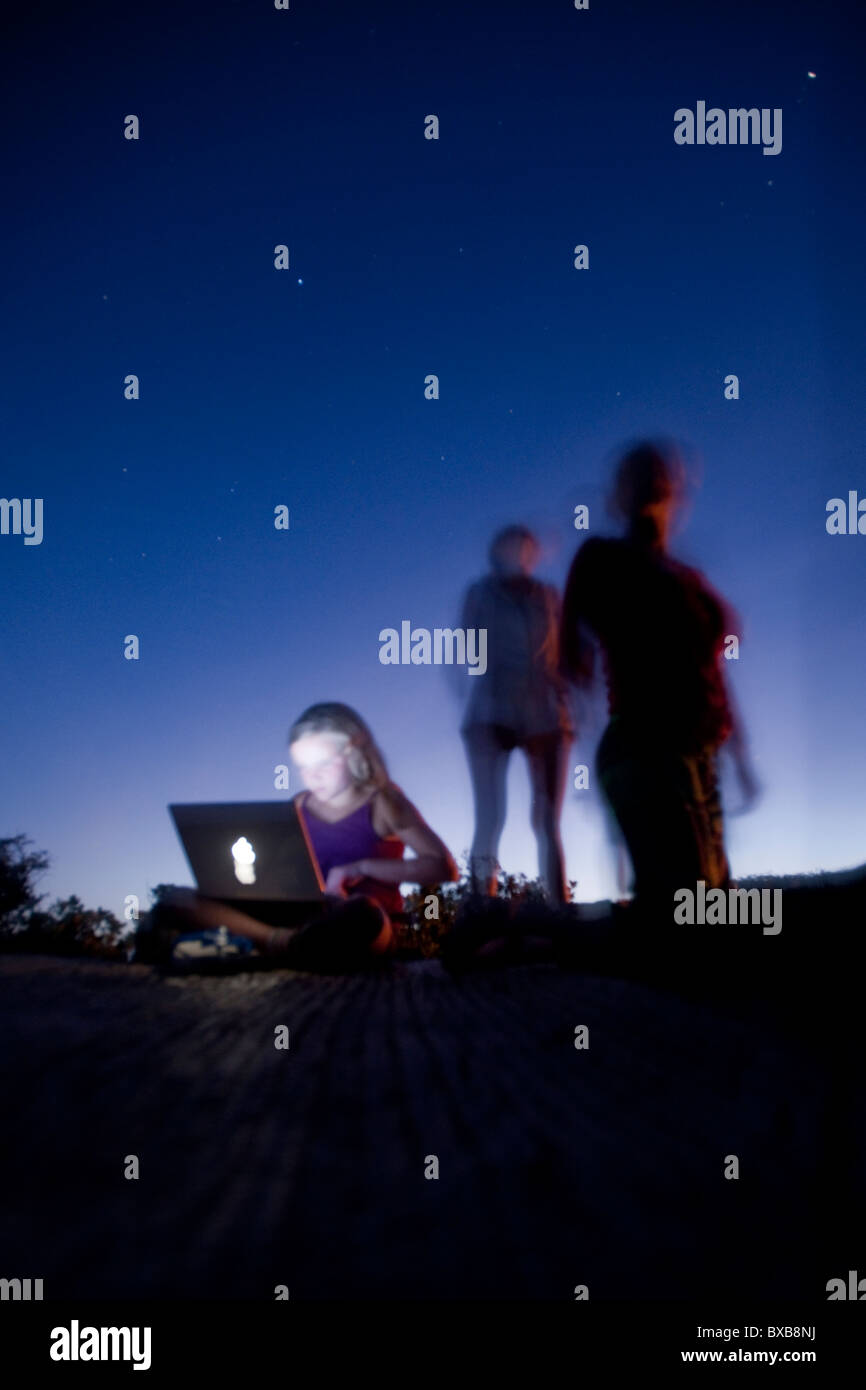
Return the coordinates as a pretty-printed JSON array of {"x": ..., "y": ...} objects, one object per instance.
[{"x": 306, "y": 387}]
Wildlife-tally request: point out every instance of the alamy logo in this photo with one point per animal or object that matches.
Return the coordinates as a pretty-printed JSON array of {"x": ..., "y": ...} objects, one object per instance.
[
  {"x": 846, "y": 521},
  {"x": 836, "y": 1288},
  {"x": 18, "y": 1290},
  {"x": 21, "y": 511},
  {"x": 101, "y": 1344},
  {"x": 420, "y": 647},
  {"x": 737, "y": 906},
  {"x": 737, "y": 126}
]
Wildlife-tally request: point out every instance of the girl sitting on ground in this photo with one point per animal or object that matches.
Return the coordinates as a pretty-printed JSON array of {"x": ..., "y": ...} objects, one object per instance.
[{"x": 359, "y": 823}]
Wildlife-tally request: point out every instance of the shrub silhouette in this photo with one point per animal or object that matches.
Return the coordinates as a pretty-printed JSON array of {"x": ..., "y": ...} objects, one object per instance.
[
  {"x": 424, "y": 933},
  {"x": 66, "y": 928}
]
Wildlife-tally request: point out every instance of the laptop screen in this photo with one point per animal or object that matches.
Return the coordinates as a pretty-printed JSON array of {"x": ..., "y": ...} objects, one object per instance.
[{"x": 253, "y": 851}]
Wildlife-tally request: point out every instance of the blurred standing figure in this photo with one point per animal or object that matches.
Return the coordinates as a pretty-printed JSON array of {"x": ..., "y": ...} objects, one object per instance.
[
  {"x": 521, "y": 701},
  {"x": 661, "y": 629}
]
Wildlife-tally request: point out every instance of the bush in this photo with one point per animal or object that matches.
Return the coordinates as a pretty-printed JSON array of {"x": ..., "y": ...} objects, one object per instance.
[
  {"x": 424, "y": 933},
  {"x": 66, "y": 928}
]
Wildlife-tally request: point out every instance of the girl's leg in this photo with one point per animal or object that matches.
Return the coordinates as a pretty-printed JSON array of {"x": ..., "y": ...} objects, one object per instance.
[
  {"x": 666, "y": 804},
  {"x": 705, "y": 804},
  {"x": 346, "y": 934},
  {"x": 183, "y": 911},
  {"x": 192, "y": 912},
  {"x": 548, "y": 769},
  {"x": 345, "y": 937},
  {"x": 488, "y": 757}
]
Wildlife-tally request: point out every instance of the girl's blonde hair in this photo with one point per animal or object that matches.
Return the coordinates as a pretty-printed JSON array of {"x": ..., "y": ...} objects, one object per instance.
[{"x": 363, "y": 757}]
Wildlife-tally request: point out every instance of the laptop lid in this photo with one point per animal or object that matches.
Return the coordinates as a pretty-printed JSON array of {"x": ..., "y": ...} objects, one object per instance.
[{"x": 249, "y": 851}]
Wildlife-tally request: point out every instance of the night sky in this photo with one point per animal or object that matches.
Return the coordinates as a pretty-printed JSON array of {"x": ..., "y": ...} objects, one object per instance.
[{"x": 305, "y": 387}]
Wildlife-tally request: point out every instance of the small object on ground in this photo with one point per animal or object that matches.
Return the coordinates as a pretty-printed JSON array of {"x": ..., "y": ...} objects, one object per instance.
[{"x": 215, "y": 944}]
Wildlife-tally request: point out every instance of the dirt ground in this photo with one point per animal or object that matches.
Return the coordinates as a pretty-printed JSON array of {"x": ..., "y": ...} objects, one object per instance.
[{"x": 312, "y": 1167}]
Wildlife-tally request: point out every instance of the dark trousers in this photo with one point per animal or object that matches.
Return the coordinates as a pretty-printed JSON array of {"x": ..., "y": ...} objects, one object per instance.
[{"x": 668, "y": 807}]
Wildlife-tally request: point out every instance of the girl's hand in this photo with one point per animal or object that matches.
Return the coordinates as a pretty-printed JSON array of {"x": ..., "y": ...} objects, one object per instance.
[
  {"x": 340, "y": 876},
  {"x": 750, "y": 787}
]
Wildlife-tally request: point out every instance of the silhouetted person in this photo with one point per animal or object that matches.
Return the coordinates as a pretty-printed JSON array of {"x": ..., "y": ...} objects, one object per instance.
[
  {"x": 661, "y": 629},
  {"x": 519, "y": 702}
]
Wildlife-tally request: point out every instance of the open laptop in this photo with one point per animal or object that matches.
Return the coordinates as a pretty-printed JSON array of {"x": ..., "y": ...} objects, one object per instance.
[{"x": 254, "y": 855}]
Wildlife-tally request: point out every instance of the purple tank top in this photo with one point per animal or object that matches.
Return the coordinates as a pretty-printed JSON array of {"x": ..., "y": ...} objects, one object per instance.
[{"x": 350, "y": 838}]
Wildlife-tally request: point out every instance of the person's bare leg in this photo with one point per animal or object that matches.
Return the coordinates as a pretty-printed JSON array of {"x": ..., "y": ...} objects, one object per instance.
[
  {"x": 548, "y": 770},
  {"x": 488, "y": 767},
  {"x": 208, "y": 913}
]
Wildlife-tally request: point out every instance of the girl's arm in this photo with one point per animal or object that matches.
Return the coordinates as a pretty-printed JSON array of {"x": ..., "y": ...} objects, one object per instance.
[
  {"x": 470, "y": 614},
  {"x": 434, "y": 863},
  {"x": 738, "y": 747},
  {"x": 728, "y": 621}
]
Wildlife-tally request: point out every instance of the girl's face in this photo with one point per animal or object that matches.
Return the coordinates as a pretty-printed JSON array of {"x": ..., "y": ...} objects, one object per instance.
[
  {"x": 527, "y": 555},
  {"x": 519, "y": 555},
  {"x": 321, "y": 761}
]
